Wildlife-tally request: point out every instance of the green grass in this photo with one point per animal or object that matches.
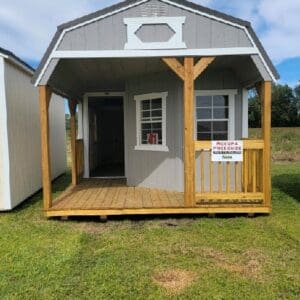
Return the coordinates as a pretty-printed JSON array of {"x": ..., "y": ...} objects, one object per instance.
[
  {"x": 285, "y": 143},
  {"x": 228, "y": 257}
]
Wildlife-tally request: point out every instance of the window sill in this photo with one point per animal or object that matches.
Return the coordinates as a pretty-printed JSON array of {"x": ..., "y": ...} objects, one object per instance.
[{"x": 160, "y": 148}]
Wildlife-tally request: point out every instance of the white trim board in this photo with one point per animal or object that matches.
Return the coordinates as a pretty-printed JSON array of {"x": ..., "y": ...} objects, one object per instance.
[
  {"x": 86, "y": 131},
  {"x": 155, "y": 53},
  {"x": 174, "y": 23},
  {"x": 141, "y": 2},
  {"x": 5, "y": 202}
]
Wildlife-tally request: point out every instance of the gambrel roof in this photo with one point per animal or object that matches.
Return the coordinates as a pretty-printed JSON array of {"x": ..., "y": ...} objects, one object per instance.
[{"x": 183, "y": 4}]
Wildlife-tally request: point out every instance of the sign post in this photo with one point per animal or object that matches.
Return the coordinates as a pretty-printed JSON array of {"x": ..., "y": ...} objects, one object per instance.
[{"x": 227, "y": 151}]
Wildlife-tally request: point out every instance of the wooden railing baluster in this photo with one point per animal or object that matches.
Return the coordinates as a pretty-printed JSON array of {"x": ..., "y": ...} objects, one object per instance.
[{"x": 228, "y": 177}]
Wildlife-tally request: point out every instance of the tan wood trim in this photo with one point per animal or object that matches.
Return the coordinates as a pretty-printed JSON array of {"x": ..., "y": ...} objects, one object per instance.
[
  {"x": 254, "y": 165},
  {"x": 175, "y": 66},
  {"x": 202, "y": 170},
  {"x": 211, "y": 175},
  {"x": 228, "y": 168},
  {"x": 236, "y": 176},
  {"x": 201, "y": 65},
  {"x": 246, "y": 170},
  {"x": 248, "y": 144},
  {"x": 72, "y": 108},
  {"x": 220, "y": 176},
  {"x": 230, "y": 196},
  {"x": 266, "y": 122},
  {"x": 189, "y": 146},
  {"x": 79, "y": 158},
  {"x": 155, "y": 211},
  {"x": 44, "y": 102}
]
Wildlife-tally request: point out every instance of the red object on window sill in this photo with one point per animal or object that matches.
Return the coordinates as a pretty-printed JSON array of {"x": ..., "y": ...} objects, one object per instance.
[{"x": 152, "y": 138}]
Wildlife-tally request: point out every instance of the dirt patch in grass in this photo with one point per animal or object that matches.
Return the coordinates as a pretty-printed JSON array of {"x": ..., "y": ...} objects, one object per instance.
[
  {"x": 174, "y": 281},
  {"x": 249, "y": 264}
]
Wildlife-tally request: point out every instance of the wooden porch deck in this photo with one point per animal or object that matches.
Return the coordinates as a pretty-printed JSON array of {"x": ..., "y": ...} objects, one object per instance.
[{"x": 99, "y": 197}]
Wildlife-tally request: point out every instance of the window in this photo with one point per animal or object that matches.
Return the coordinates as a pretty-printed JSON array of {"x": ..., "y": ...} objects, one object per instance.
[
  {"x": 151, "y": 121},
  {"x": 214, "y": 115}
]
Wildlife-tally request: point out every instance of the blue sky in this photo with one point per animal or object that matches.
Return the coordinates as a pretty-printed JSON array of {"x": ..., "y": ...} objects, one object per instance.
[{"x": 27, "y": 26}]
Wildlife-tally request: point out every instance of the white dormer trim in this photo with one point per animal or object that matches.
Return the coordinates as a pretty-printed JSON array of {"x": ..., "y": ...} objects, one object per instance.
[{"x": 134, "y": 24}]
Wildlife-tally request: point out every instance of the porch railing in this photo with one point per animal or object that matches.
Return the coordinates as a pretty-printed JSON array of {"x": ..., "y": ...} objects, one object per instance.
[{"x": 230, "y": 182}]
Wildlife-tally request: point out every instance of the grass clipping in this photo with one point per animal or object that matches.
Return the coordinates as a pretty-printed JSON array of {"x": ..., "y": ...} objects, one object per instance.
[{"x": 174, "y": 281}]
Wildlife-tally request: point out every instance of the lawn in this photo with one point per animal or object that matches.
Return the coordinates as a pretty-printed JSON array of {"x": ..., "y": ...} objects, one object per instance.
[
  {"x": 187, "y": 257},
  {"x": 285, "y": 143}
]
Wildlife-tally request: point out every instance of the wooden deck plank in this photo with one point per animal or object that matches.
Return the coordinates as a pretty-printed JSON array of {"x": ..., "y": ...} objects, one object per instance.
[{"x": 113, "y": 196}]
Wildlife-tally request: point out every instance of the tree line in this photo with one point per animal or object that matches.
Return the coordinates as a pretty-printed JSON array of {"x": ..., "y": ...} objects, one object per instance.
[{"x": 285, "y": 107}]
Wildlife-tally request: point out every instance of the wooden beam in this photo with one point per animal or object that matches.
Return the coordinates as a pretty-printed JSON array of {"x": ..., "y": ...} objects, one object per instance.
[
  {"x": 175, "y": 66},
  {"x": 201, "y": 65},
  {"x": 229, "y": 196},
  {"x": 189, "y": 144},
  {"x": 72, "y": 108},
  {"x": 158, "y": 211},
  {"x": 44, "y": 102},
  {"x": 266, "y": 93}
]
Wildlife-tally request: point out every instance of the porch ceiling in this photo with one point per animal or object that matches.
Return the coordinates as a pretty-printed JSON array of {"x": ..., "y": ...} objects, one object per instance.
[{"x": 74, "y": 77}]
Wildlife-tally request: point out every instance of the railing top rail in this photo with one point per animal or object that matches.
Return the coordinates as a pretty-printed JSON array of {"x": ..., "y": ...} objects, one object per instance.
[{"x": 248, "y": 144}]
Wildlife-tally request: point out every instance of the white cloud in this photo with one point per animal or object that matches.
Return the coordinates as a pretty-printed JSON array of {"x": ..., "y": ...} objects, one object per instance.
[
  {"x": 27, "y": 26},
  {"x": 275, "y": 21},
  {"x": 282, "y": 36}
]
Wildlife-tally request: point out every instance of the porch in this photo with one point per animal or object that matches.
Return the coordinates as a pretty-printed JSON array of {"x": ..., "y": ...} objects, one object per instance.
[
  {"x": 209, "y": 187},
  {"x": 103, "y": 197}
]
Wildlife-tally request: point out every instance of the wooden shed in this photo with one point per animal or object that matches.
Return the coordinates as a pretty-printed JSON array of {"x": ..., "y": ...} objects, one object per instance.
[
  {"x": 20, "y": 151},
  {"x": 161, "y": 88}
]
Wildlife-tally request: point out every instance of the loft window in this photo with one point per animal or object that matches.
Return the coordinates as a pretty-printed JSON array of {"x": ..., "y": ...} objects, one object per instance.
[{"x": 151, "y": 121}]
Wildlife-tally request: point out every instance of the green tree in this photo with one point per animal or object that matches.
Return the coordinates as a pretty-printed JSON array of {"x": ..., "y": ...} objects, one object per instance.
[
  {"x": 254, "y": 112},
  {"x": 285, "y": 110},
  {"x": 297, "y": 100}
]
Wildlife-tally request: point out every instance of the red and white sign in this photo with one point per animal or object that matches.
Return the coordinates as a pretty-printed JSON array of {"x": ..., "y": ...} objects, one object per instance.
[
  {"x": 152, "y": 138},
  {"x": 227, "y": 151}
]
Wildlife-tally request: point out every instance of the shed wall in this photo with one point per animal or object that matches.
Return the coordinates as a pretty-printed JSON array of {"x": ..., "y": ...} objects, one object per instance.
[
  {"x": 4, "y": 161},
  {"x": 110, "y": 33},
  {"x": 24, "y": 134},
  {"x": 165, "y": 169}
]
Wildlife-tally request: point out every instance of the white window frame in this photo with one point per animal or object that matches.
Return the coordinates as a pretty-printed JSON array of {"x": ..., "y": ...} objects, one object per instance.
[
  {"x": 138, "y": 99},
  {"x": 231, "y": 107}
]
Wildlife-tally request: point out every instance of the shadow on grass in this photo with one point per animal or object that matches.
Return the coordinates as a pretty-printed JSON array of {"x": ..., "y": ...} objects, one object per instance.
[
  {"x": 289, "y": 184},
  {"x": 58, "y": 186},
  {"x": 165, "y": 220}
]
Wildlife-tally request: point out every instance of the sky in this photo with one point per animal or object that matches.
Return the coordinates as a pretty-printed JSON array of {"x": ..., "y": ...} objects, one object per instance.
[{"x": 27, "y": 26}]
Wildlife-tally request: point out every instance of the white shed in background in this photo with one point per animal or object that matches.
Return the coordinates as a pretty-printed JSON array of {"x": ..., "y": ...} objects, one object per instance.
[{"x": 20, "y": 146}]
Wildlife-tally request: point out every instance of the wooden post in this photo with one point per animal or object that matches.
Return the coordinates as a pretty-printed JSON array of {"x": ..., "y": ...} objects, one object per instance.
[
  {"x": 44, "y": 99},
  {"x": 266, "y": 93},
  {"x": 188, "y": 135},
  {"x": 188, "y": 73},
  {"x": 72, "y": 108}
]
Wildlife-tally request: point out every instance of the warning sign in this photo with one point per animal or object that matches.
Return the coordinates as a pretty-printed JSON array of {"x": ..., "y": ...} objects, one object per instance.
[{"x": 227, "y": 151}]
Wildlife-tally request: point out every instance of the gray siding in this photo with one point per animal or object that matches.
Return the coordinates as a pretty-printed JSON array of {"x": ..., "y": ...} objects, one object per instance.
[
  {"x": 24, "y": 135},
  {"x": 150, "y": 168},
  {"x": 165, "y": 169},
  {"x": 111, "y": 33}
]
